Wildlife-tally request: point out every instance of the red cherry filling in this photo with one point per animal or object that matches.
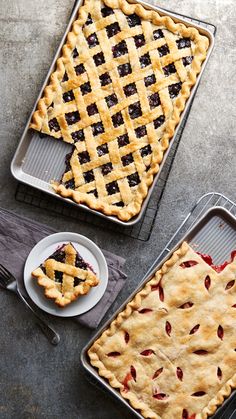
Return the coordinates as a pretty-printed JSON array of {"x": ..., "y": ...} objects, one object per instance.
[
  {"x": 160, "y": 396},
  {"x": 179, "y": 373},
  {"x": 219, "y": 373},
  {"x": 217, "y": 268},
  {"x": 230, "y": 285},
  {"x": 188, "y": 264},
  {"x": 113, "y": 354},
  {"x": 130, "y": 376},
  {"x": 201, "y": 352},
  {"x": 220, "y": 332},
  {"x": 145, "y": 310},
  {"x": 157, "y": 373},
  {"x": 126, "y": 337},
  {"x": 198, "y": 394},
  {"x": 133, "y": 372},
  {"x": 168, "y": 328},
  {"x": 194, "y": 329},
  {"x": 147, "y": 352},
  {"x": 189, "y": 304},
  {"x": 207, "y": 282}
]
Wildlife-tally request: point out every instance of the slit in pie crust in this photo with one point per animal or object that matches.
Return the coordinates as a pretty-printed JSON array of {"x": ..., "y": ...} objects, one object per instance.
[
  {"x": 172, "y": 351},
  {"x": 117, "y": 95},
  {"x": 65, "y": 275}
]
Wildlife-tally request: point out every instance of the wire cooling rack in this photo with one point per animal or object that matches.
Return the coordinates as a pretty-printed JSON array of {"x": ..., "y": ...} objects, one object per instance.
[{"x": 140, "y": 231}]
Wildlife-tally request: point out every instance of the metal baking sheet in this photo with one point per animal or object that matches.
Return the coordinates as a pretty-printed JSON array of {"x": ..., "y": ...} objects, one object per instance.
[
  {"x": 214, "y": 234},
  {"x": 39, "y": 160}
]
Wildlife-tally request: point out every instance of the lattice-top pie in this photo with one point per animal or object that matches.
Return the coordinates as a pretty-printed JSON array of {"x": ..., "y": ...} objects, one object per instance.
[
  {"x": 117, "y": 95},
  {"x": 65, "y": 275},
  {"x": 172, "y": 351}
]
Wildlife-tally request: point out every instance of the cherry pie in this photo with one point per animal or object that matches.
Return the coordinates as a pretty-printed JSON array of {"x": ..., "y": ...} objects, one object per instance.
[
  {"x": 65, "y": 275},
  {"x": 172, "y": 351},
  {"x": 117, "y": 94}
]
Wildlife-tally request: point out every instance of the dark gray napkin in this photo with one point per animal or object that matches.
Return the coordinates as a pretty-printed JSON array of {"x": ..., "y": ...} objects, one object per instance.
[{"x": 18, "y": 235}]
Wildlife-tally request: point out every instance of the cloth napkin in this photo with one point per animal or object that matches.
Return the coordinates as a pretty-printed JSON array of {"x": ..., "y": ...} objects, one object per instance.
[{"x": 18, "y": 235}]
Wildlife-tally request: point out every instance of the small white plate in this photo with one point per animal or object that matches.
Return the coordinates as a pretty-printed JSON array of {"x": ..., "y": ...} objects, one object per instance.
[{"x": 91, "y": 254}]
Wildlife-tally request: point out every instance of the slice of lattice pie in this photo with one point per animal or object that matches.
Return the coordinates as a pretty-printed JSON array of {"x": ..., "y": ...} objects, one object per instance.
[
  {"x": 65, "y": 275},
  {"x": 172, "y": 351},
  {"x": 117, "y": 94}
]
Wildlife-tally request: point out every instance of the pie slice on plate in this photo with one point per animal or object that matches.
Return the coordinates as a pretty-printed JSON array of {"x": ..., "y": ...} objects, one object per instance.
[
  {"x": 172, "y": 351},
  {"x": 117, "y": 95},
  {"x": 65, "y": 275}
]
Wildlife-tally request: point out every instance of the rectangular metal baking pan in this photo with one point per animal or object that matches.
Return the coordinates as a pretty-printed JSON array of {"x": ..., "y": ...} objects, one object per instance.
[
  {"x": 39, "y": 160},
  {"x": 214, "y": 234}
]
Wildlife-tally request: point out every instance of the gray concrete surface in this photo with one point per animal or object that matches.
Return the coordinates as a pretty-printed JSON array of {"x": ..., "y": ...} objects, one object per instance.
[{"x": 40, "y": 381}]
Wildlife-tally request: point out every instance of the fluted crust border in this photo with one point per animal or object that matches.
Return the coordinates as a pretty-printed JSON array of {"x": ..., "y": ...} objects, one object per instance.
[{"x": 201, "y": 46}]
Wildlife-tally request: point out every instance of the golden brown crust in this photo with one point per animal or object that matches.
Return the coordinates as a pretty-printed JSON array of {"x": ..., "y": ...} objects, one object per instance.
[
  {"x": 65, "y": 292},
  {"x": 214, "y": 378},
  {"x": 40, "y": 117}
]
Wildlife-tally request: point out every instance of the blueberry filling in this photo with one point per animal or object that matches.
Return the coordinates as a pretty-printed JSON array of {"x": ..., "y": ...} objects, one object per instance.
[
  {"x": 133, "y": 20},
  {"x": 120, "y": 204},
  {"x": 85, "y": 88},
  {"x": 123, "y": 140},
  {"x": 68, "y": 96},
  {"x": 105, "y": 79},
  {"x": 80, "y": 263},
  {"x": 106, "y": 168},
  {"x": 113, "y": 29},
  {"x": 107, "y": 11},
  {"x": 145, "y": 60},
  {"x": 79, "y": 69},
  {"x": 97, "y": 128},
  {"x": 89, "y": 20},
  {"x": 149, "y": 80},
  {"x": 67, "y": 161},
  {"x": 130, "y": 89},
  {"x": 128, "y": 159},
  {"x": 112, "y": 188},
  {"x": 145, "y": 150},
  {"x": 169, "y": 69},
  {"x": 183, "y": 43},
  {"x": 53, "y": 125},
  {"x": 187, "y": 60},
  {"x": 119, "y": 49},
  {"x": 174, "y": 89},
  {"x": 117, "y": 119},
  {"x": 78, "y": 135},
  {"x": 75, "y": 53},
  {"x": 92, "y": 40},
  {"x": 141, "y": 131},
  {"x": 70, "y": 184},
  {"x": 94, "y": 192},
  {"x": 111, "y": 100},
  {"x": 58, "y": 276},
  {"x": 84, "y": 157},
  {"x": 92, "y": 109},
  {"x": 133, "y": 179},
  {"x": 139, "y": 40},
  {"x": 159, "y": 121},
  {"x": 58, "y": 255},
  {"x": 99, "y": 59},
  {"x": 135, "y": 110},
  {"x": 164, "y": 50},
  {"x": 65, "y": 77},
  {"x": 72, "y": 117},
  {"x": 158, "y": 34},
  {"x": 154, "y": 100},
  {"x": 77, "y": 281},
  {"x": 124, "y": 69},
  {"x": 102, "y": 149},
  {"x": 88, "y": 176}
]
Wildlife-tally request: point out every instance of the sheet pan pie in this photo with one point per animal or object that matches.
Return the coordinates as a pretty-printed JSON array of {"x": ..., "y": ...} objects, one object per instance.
[
  {"x": 172, "y": 351},
  {"x": 65, "y": 275},
  {"x": 117, "y": 94}
]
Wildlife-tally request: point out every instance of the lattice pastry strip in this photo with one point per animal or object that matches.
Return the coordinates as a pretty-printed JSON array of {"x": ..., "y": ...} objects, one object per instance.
[
  {"x": 117, "y": 95},
  {"x": 65, "y": 275},
  {"x": 172, "y": 351}
]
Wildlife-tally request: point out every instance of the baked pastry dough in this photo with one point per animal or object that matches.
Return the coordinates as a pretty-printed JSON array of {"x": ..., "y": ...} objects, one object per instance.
[
  {"x": 65, "y": 275},
  {"x": 172, "y": 351},
  {"x": 117, "y": 94}
]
